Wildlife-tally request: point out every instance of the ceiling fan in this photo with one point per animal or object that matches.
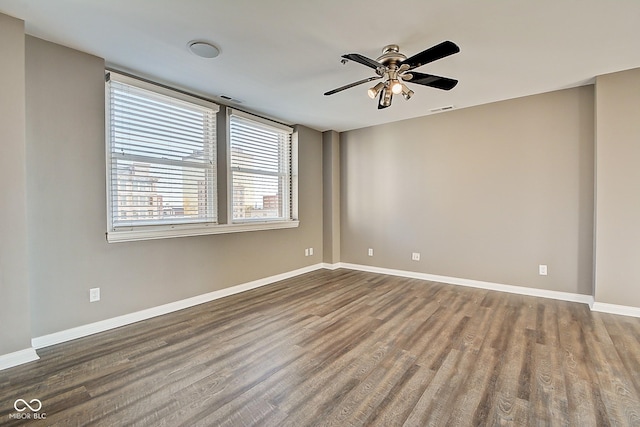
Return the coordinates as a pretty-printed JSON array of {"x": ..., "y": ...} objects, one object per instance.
[{"x": 395, "y": 68}]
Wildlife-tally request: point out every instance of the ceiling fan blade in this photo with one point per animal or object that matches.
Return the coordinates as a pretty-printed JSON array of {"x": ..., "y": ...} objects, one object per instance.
[
  {"x": 434, "y": 53},
  {"x": 437, "y": 82},
  {"x": 356, "y": 57},
  {"x": 350, "y": 85}
]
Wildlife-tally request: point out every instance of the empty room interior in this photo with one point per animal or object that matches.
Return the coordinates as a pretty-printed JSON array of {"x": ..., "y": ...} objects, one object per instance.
[{"x": 289, "y": 213}]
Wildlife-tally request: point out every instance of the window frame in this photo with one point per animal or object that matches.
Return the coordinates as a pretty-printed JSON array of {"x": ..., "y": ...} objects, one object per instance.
[
  {"x": 156, "y": 229},
  {"x": 290, "y": 202}
]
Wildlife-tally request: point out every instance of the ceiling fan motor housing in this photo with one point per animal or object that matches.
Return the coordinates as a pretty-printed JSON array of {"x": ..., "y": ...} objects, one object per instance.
[{"x": 391, "y": 55}]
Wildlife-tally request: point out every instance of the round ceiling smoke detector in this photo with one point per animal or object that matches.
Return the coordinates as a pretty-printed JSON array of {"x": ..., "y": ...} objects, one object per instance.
[{"x": 203, "y": 49}]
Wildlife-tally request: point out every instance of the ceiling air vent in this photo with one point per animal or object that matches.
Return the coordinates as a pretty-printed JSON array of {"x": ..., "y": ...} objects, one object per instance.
[
  {"x": 439, "y": 109},
  {"x": 230, "y": 99}
]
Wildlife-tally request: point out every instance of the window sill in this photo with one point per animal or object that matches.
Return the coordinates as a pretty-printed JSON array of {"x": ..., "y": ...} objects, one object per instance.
[{"x": 166, "y": 232}]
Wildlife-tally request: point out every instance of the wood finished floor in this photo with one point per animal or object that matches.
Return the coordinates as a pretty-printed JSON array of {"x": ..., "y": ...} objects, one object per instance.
[{"x": 345, "y": 348}]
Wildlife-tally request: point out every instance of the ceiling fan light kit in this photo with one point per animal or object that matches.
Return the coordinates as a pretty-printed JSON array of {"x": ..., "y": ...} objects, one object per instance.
[
  {"x": 395, "y": 68},
  {"x": 406, "y": 92},
  {"x": 374, "y": 91},
  {"x": 396, "y": 87},
  {"x": 385, "y": 99}
]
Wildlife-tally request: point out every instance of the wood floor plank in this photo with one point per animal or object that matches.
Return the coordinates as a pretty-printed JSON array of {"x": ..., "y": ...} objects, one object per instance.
[
  {"x": 469, "y": 398},
  {"x": 548, "y": 396},
  {"x": 434, "y": 406},
  {"x": 620, "y": 398},
  {"x": 510, "y": 383},
  {"x": 625, "y": 336},
  {"x": 359, "y": 404},
  {"x": 345, "y": 348},
  {"x": 320, "y": 394}
]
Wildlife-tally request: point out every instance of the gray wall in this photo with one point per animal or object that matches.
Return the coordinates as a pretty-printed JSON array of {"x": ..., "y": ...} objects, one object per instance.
[
  {"x": 485, "y": 193},
  {"x": 15, "y": 331},
  {"x": 331, "y": 196},
  {"x": 617, "y": 270},
  {"x": 67, "y": 213}
]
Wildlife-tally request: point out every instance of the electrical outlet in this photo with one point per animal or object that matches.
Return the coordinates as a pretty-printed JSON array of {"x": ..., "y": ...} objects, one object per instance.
[
  {"x": 542, "y": 270},
  {"x": 415, "y": 256},
  {"x": 94, "y": 294},
  {"x": 306, "y": 252},
  {"x": 310, "y": 251},
  {"x": 370, "y": 252}
]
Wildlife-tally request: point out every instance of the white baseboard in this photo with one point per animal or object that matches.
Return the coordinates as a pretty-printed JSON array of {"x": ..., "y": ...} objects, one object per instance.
[
  {"x": 28, "y": 355},
  {"x": 18, "y": 358},
  {"x": 116, "y": 322},
  {"x": 328, "y": 266},
  {"x": 623, "y": 310},
  {"x": 521, "y": 290}
]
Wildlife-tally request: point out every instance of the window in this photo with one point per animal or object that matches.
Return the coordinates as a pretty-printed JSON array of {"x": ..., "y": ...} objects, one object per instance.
[
  {"x": 261, "y": 168},
  {"x": 162, "y": 179},
  {"x": 161, "y": 160}
]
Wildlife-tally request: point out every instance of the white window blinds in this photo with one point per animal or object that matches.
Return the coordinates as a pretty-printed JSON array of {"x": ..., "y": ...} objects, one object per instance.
[
  {"x": 261, "y": 169},
  {"x": 161, "y": 156}
]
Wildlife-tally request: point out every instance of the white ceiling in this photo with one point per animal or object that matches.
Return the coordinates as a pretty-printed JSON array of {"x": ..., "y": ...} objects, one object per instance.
[{"x": 278, "y": 57}]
